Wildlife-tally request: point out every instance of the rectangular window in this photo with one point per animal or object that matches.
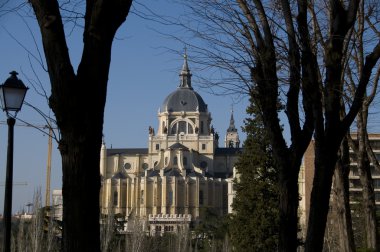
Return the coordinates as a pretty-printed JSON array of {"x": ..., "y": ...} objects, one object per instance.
[
  {"x": 203, "y": 146},
  {"x": 376, "y": 183},
  {"x": 375, "y": 144},
  {"x": 170, "y": 198},
  {"x": 174, "y": 129},
  {"x": 202, "y": 130},
  {"x": 374, "y": 171},
  {"x": 142, "y": 197},
  {"x": 157, "y": 146},
  {"x": 355, "y": 183},
  {"x": 115, "y": 198},
  {"x": 354, "y": 170},
  {"x": 182, "y": 127}
]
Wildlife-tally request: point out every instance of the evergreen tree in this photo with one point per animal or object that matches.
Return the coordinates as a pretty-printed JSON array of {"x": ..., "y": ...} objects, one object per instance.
[{"x": 255, "y": 222}]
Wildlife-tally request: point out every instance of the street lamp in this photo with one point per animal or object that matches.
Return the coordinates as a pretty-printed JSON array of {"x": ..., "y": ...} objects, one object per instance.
[{"x": 12, "y": 94}]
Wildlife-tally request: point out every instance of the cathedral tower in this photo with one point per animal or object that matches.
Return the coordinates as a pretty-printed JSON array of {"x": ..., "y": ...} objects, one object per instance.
[
  {"x": 232, "y": 136},
  {"x": 184, "y": 118},
  {"x": 180, "y": 173}
]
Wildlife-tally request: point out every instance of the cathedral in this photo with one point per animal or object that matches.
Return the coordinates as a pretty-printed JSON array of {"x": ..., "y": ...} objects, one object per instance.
[{"x": 182, "y": 171}]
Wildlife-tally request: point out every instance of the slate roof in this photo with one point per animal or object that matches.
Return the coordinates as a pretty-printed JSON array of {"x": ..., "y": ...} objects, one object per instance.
[
  {"x": 177, "y": 146},
  {"x": 128, "y": 151},
  {"x": 153, "y": 173},
  {"x": 119, "y": 175},
  {"x": 227, "y": 151},
  {"x": 173, "y": 172},
  {"x": 222, "y": 175},
  {"x": 192, "y": 173},
  {"x": 184, "y": 99}
]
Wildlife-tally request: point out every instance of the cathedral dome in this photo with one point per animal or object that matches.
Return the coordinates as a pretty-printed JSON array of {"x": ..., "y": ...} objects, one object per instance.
[{"x": 184, "y": 98}]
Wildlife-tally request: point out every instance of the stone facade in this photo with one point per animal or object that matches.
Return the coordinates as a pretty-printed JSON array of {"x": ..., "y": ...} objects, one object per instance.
[{"x": 182, "y": 171}]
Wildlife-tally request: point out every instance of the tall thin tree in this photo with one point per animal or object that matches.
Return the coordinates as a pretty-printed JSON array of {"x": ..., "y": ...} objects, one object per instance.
[
  {"x": 78, "y": 99},
  {"x": 255, "y": 220}
]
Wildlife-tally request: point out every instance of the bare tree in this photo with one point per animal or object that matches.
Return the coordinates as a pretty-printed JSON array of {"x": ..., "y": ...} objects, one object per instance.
[
  {"x": 80, "y": 115},
  {"x": 291, "y": 54},
  {"x": 107, "y": 230},
  {"x": 367, "y": 19}
]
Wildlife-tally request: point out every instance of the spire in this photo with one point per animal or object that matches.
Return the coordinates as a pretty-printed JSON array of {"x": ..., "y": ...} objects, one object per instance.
[
  {"x": 232, "y": 127},
  {"x": 185, "y": 75},
  {"x": 232, "y": 136}
]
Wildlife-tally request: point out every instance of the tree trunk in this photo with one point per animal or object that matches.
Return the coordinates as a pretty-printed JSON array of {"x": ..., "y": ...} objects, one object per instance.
[
  {"x": 341, "y": 201},
  {"x": 369, "y": 207},
  {"x": 325, "y": 161},
  {"x": 78, "y": 101},
  {"x": 81, "y": 185},
  {"x": 364, "y": 168},
  {"x": 289, "y": 202},
  {"x": 375, "y": 243},
  {"x": 256, "y": 29}
]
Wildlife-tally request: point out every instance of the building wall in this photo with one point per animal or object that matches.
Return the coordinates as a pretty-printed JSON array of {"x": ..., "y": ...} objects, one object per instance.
[
  {"x": 142, "y": 196},
  {"x": 307, "y": 174},
  {"x": 354, "y": 179},
  {"x": 181, "y": 171}
]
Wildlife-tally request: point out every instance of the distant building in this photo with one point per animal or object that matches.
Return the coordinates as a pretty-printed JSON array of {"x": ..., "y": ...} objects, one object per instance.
[
  {"x": 182, "y": 171},
  {"x": 57, "y": 204},
  {"x": 306, "y": 176},
  {"x": 354, "y": 179}
]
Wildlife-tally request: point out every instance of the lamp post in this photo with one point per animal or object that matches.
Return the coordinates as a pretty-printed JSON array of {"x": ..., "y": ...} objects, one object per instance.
[{"x": 12, "y": 94}]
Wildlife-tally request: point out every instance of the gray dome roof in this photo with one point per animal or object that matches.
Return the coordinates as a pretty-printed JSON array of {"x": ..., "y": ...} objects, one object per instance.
[{"x": 184, "y": 99}]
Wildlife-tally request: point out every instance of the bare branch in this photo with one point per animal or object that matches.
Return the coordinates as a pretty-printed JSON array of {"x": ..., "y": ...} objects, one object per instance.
[{"x": 370, "y": 62}]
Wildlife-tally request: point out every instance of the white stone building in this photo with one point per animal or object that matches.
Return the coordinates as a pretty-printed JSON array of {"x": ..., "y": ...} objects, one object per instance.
[{"x": 182, "y": 171}]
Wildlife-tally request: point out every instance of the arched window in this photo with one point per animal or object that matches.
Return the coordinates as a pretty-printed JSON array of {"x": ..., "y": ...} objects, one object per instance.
[
  {"x": 173, "y": 130},
  {"x": 166, "y": 160},
  {"x": 142, "y": 197},
  {"x": 182, "y": 127},
  {"x": 190, "y": 129}
]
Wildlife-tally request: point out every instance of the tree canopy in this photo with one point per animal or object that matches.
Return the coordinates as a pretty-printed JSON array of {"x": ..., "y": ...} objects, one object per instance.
[{"x": 255, "y": 221}]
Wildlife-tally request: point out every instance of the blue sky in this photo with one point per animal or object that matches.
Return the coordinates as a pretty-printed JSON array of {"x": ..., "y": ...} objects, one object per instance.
[{"x": 142, "y": 74}]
